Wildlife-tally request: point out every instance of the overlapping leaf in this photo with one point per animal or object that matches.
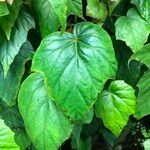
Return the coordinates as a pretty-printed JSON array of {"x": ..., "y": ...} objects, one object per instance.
[
  {"x": 143, "y": 55},
  {"x": 7, "y": 138},
  {"x": 76, "y": 66},
  {"x": 115, "y": 105},
  {"x": 143, "y": 99},
  {"x": 132, "y": 29},
  {"x": 10, "y": 85},
  {"x": 47, "y": 18},
  {"x": 9, "y": 49},
  {"x": 144, "y": 8},
  {"x": 53, "y": 14},
  {"x": 45, "y": 124},
  {"x": 96, "y": 10},
  {"x": 3, "y": 9},
  {"x": 7, "y": 22},
  {"x": 75, "y": 7}
]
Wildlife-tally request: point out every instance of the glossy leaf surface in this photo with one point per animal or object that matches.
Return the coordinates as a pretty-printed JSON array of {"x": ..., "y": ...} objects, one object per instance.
[
  {"x": 76, "y": 66},
  {"x": 116, "y": 105}
]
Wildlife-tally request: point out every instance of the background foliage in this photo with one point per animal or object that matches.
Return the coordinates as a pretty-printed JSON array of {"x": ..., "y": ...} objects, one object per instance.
[{"x": 74, "y": 74}]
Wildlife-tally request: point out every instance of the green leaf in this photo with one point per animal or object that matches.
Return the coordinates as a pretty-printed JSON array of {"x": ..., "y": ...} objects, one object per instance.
[
  {"x": 144, "y": 8},
  {"x": 11, "y": 116},
  {"x": 47, "y": 18},
  {"x": 76, "y": 141},
  {"x": 9, "y": 49},
  {"x": 113, "y": 4},
  {"x": 3, "y": 9},
  {"x": 7, "y": 138},
  {"x": 116, "y": 105},
  {"x": 45, "y": 124},
  {"x": 96, "y": 10},
  {"x": 143, "y": 101},
  {"x": 75, "y": 7},
  {"x": 82, "y": 145},
  {"x": 7, "y": 22},
  {"x": 143, "y": 55},
  {"x": 22, "y": 139},
  {"x": 14, "y": 75},
  {"x": 88, "y": 117},
  {"x": 146, "y": 144},
  {"x": 133, "y": 30},
  {"x": 128, "y": 72},
  {"x": 76, "y": 66},
  {"x": 107, "y": 134},
  {"x": 60, "y": 9}
]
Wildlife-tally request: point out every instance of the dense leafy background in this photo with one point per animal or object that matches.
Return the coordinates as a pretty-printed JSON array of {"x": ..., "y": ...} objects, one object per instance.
[{"x": 74, "y": 74}]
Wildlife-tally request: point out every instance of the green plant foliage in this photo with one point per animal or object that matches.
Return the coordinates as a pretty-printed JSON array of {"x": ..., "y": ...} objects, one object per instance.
[
  {"x": 8, "y": 21},
  {"x": 3, "y": 9},
  {"x": 50, "y": 123},
  {"x": 77, "y": 70},
  {"x": 115, "y": 105},
  {"x": 96, "y": 10},
  {"x": 14, "y": 75},
  {"x": 143, "y": 106},
  {"x": 47, "y": 19},
  {"x": 144, "y": 8},
  {"x": 75, "y": 7},
  {"x": 74, "y": 74},
  {"x": 7, "y": 138},
  {"x": 143, "y": 55},
  {"x": 10, "y": 48},
  {"x": 130, "y": 27},
  {"x": 22, "y": 140}
]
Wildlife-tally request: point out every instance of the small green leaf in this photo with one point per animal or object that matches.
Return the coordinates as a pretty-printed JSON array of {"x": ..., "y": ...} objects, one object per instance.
[
  {"x": 132, "y": 29},
  {"x": 14, "y": 75},
  {"x": 9, "y": 49},
  {"x": 143, "y": 101},
  {"x": 144, "y": 8},
  {"x": 7, "y": 138},
  {"x": 143, "y": 55},
  {"x": 75, "y": 7},
  {"x": 96, "y": 10},
  {"x": 7, "y": 22},
  {"x": 3, "y": 9},
  {"x": 116, "y": 105},
  {"x": 76, "y": 66},
  {"x": 45, "y": 124}
]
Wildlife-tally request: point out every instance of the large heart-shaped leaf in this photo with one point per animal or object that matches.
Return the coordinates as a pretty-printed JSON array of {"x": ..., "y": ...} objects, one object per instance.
[
  {"x": 143, "y": 99},
  {"x": 115, "y": 105},
  {"x": 10, "y": 48},
  {"x": 76, "y": 66},
  {"x": 132, "y": 29},
  {"x": 45, "y": 124},
  {"x": 7, "y": 138}
]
